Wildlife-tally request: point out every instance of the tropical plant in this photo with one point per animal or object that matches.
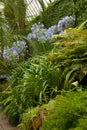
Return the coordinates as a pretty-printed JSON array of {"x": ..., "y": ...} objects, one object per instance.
[
  {"x": 38, "y": 83},
  {"x": 5, "y": 34},
  {"x": 15, "y": 13}
]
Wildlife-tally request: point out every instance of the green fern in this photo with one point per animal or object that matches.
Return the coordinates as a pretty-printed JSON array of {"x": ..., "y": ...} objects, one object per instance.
[{"x": 69, "y": 112}]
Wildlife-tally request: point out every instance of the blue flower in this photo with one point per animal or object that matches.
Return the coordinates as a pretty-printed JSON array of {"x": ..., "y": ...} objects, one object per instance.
[
  {"x": 64, "y": 23},
  {"x": 40, "y": 33},
  {"x": 52, "y": 30},
  {"x": 17, "y": 49}
]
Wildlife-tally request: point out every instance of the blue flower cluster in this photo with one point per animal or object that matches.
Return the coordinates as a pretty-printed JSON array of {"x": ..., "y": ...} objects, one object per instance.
[
  {"x": 15, "y": 51},
  {"x": 40, "y": 33},
  {"x": 65, "y": 23}
]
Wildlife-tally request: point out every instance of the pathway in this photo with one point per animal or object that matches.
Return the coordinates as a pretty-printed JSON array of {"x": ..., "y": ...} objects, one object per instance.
[{"x": 4, "y": 124}]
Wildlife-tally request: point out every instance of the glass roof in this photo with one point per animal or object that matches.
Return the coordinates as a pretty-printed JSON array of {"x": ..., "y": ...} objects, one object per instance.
[{"x": 34, "y": 7}]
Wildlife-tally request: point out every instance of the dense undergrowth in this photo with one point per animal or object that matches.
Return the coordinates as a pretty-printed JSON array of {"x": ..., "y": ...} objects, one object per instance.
[
  {"x": 69, "y": 112},
  {"x": 35, "y": 82},
  {"x": 46, "y": 89}
]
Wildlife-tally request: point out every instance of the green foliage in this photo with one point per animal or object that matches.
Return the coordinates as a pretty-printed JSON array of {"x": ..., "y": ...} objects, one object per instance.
[
  {"x": 15, "y": 12},
  {"x": 81, "y": 125},
  {"x": 37, "y": 80},
  {"x": 69, "y": 54},
  {"x": 80, "y": 12},
  {"x": 35, "y": 84},
  {"x": 59, "y": 9},
  {"x": 13, "y": 111},
  {"x": 6, "y": 39},
  {"x": 27, "y": 117},
  {"x": 69, "y": 113},
  {"x": 7, "y": 36},
  {"x": 5, "y": 33},
  {"x": 56, "y": 11},
  {"x": 39, "y": 47}
]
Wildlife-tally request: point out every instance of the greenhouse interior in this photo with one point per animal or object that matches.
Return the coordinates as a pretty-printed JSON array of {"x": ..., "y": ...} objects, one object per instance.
[{"x": 43, "y": 64}]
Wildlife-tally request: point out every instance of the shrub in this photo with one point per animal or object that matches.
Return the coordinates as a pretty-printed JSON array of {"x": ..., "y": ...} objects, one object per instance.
[
  {"x": 69, "y": 113},
  {"x": 35, "y": 84}
]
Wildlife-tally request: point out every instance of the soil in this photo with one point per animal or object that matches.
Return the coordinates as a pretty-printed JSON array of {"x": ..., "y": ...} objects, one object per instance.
[{"x": 4, "y": 123}]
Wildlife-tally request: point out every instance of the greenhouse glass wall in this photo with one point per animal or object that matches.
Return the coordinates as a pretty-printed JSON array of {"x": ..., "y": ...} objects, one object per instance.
[{"x": 34, "y": 7}]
